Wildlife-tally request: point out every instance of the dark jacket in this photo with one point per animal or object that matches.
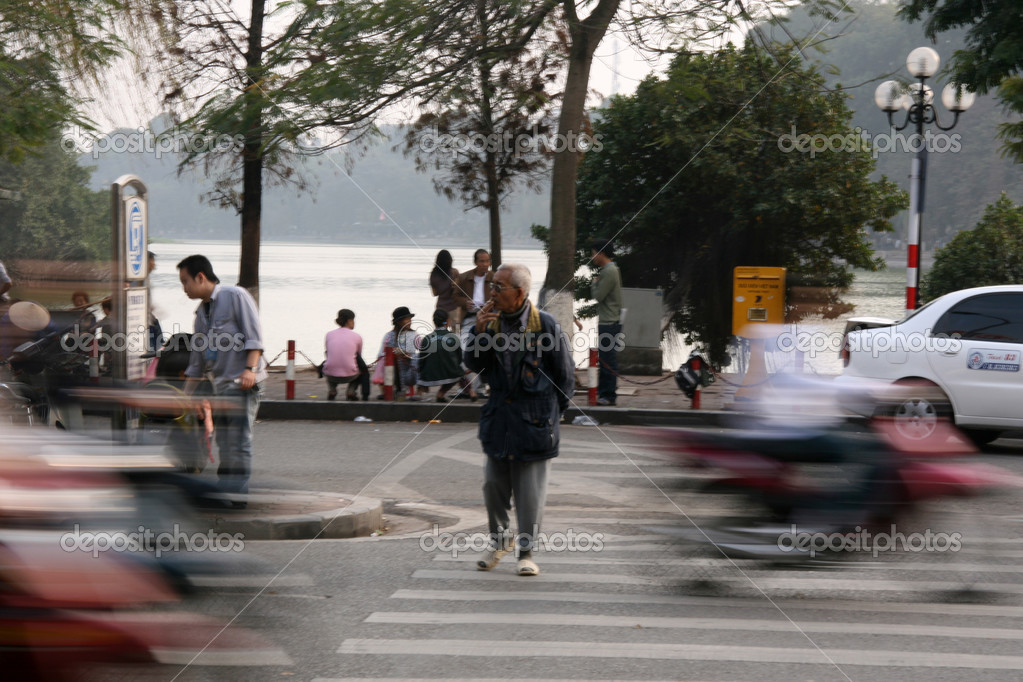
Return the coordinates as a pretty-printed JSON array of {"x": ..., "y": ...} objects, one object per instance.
[
  {"x": 463, "y": 288},
  {"x": 520, "y": 419},
  {"x": 439, "y": 358}
]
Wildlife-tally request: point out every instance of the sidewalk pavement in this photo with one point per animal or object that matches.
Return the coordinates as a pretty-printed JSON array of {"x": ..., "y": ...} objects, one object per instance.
[
  {"x": 642, "y": 400},
  {"x": 298, "y": 515}
]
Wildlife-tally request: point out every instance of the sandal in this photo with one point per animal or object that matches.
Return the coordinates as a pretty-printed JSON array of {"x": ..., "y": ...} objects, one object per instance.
[
  {"x": 491, "y": 558},
  {"x": 527, "y": 567}
]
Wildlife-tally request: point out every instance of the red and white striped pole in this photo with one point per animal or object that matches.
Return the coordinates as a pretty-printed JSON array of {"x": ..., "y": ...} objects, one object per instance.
[
  {"x": 388, "y": 373},
  {"x": 592, "y": 377},
  {"x": 696, "y": 391},
  {"x": 289, "y": 373},
  {"x": 916, "y": 209}
]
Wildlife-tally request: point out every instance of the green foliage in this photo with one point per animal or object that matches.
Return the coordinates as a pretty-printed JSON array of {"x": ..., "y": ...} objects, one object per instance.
[
  {"x": 990, "y": 254},
  {"x": 691, "y": 182},
  {"x": 55, "y": 215},
  {"x": 45, "y": 43},
  {"x": 993, "y": 56},
  {"x": 993, "y": 46}
]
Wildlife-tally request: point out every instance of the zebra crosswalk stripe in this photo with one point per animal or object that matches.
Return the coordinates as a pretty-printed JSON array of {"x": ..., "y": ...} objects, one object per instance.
[{"x": 691, "y": 652}]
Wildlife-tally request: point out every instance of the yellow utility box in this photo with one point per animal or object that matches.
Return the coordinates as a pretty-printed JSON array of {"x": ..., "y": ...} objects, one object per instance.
[{"x": 758, "y": 301}]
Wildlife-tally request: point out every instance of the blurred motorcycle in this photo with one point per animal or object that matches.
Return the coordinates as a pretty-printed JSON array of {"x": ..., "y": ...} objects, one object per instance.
[
  {"x": 815, "y": 473},
  {"x": 89, "y": 564}
]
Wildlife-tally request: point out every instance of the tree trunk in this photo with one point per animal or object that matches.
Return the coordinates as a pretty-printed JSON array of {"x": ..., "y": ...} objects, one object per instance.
[
  {"x": 487, "y": 119},
  {"x": 561, "y": 264},
  {"x": 252, "y": 161},
  {"x": 585, "y": 36},
  {"x": 494, "y": 210},
  {"x": 252, "y": 200}
]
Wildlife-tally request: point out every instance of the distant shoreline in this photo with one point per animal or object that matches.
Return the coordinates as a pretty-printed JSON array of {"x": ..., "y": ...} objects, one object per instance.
[{"x": 433, "y": 243}]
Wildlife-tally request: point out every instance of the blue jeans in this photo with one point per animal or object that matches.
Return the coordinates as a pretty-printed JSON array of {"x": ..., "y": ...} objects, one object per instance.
[
  {"x": 234, "y": 438},
  {"x": 607, "y": 353}
]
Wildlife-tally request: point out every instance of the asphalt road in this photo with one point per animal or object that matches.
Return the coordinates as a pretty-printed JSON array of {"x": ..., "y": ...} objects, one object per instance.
[{"x": 632, "y": 604}]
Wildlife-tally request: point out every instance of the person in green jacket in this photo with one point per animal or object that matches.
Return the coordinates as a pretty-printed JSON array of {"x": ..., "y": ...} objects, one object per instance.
[
  {"x": 440, "y": 357},
  {"x": 606, "y": 289}
]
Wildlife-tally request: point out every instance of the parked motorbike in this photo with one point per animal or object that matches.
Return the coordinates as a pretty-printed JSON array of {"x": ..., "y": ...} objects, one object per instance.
[
  {"x": 186, "y": 431},
  {"x": 39, "y": 371}
]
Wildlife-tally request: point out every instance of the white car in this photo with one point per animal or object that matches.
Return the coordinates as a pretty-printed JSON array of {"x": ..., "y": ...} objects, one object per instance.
[{"x": 958, "y": 356}]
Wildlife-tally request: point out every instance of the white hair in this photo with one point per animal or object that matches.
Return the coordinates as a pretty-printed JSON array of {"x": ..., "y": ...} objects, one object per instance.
[{"x": 519, "y": 275}]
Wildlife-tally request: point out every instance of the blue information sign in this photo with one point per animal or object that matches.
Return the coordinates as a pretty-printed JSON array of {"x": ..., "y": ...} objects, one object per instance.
[{"x": 135, "y": 238}]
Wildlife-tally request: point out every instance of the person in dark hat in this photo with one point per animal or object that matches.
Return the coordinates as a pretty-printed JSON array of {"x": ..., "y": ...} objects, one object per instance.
[
  {"x": 403, "y": 339},
  {"x": 343, "y": 362}
]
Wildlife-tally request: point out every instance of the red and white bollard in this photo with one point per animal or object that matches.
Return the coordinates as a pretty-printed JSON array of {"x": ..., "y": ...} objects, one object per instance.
[
  {"x": 696, "y": 391},
  {"x": 388, "y": 373},
  {"x": 289, "y": 373},
  {"x": 592, "y": 376}
]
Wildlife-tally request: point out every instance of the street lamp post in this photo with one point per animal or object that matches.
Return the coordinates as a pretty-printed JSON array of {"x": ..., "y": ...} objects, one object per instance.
[{"x": 922, "y": 63}]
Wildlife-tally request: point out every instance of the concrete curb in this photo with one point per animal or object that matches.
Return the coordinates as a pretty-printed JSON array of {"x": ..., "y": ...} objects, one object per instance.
[
  {"x": 468, "y": 413},
  {"x": 354, "y": 520}
]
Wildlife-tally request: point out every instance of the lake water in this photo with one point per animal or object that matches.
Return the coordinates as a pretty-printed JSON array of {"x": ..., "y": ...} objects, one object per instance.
[{"x": 302, "y": 286}]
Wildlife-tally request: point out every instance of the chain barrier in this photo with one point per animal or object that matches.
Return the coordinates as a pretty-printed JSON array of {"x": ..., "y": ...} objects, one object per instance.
[
  {"x": 633, "y": 381},
  {"x": 719, "y": 375},
  {"x": 309, "y": 360}
]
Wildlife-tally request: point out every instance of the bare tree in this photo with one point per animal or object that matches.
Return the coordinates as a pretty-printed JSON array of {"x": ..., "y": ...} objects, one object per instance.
[
  {"x": 491, "y": 130},
  {"x": 270, "y": 81}
]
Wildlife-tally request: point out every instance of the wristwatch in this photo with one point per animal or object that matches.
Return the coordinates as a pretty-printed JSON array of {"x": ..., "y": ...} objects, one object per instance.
[{"x": 253, "y": 369}]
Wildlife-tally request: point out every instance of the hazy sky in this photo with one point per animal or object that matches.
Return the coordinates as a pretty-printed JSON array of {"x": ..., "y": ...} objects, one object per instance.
[{"x": 617, "y": 69}]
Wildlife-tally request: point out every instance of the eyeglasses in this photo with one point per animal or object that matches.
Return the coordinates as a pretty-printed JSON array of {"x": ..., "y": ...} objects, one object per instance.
[{"x": 497, "y": 287}]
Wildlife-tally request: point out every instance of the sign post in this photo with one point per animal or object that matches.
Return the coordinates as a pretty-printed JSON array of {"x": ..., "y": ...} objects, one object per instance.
[
  {"x": 758, "y": 305},
  {"x": 130, "y": 300}
]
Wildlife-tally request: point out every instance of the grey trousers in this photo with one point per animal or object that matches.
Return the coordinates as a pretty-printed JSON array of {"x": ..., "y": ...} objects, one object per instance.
[{"x": 527, "y": 483}]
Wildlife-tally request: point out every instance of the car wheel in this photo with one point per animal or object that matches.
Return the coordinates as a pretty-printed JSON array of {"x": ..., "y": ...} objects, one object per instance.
[
  {"x": 981, "y": 437},
  {"x": 919, "y": 409}
]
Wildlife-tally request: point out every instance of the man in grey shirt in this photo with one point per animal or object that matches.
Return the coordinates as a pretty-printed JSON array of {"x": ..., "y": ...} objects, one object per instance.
[
  {"x": 606, "y": 289},
  {"x": 227, "y": 349}
]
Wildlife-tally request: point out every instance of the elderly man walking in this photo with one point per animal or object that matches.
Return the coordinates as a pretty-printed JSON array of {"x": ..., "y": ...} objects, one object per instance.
[{"x": 526, "y": 358}]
